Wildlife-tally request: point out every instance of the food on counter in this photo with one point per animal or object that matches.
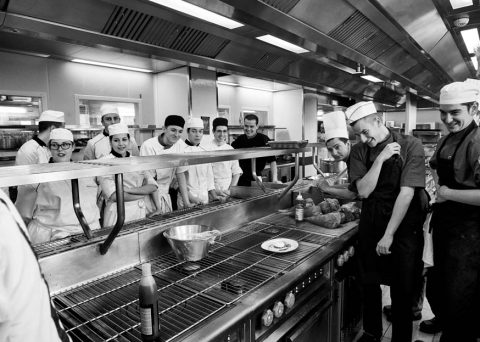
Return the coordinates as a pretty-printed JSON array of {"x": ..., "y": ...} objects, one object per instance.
[
  {"x": 330, "y": 220},
  {"x": 351, "y": 209},
  {"x": 279, "y": 244},
  {"x": 329, "y": 205}
]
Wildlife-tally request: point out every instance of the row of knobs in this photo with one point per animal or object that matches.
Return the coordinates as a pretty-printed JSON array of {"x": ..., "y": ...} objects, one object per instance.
[
  {"x": 347, "y": 254},
  {"x": 278, "y": 309}
]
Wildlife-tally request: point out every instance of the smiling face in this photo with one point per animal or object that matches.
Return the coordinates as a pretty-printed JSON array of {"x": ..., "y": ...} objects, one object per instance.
[
  {"x": 110, "y": 119},
  {"x": 338, "y": 148},
  {"x": 195, "y": 135},
  {"x": 250, "y": 128},
  {"x": 457, "y": 116},
  {"x": 369, "y": 130},
  {"x": 119, "y": 143},
  {"x": 220, "y": 134},
  {"x": 61, "y": 150},
  {"x": 171, "y": 134}
]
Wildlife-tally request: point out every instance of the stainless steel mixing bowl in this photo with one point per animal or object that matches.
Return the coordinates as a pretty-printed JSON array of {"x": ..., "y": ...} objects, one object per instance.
[{"x": 191, "y": 242}]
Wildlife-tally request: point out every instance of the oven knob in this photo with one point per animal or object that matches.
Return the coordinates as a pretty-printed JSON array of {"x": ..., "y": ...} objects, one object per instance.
[
  {"x": 289, "y": 300},
  {"x": 320, "y": 271},
  {"x": 278, "y": 309},
  {"x": 267, "y": 318},
  {"x": 340, "y": 260},
  {"x": 346, "y": 256},
  {"x": 351, "y": 251}
]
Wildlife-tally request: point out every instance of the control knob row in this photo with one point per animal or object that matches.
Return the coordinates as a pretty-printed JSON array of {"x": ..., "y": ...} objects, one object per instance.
[
  {"x": 343, "y": 258},
  {"x": 278, "y": 309}
]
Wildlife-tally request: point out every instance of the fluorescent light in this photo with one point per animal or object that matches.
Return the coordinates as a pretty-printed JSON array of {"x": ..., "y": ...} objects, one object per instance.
[
  {"x": 108, "y": 65},
  {"x": 282, "y": 43},
  {"x": 371, "y": 78},
  {"x": 475, "y": 62},
  {"x": 247, "y": 87},
  {"x": 471, "y": 39},
  {"x": 460, "y": 3},
  {"x": 199, "y": 12}
]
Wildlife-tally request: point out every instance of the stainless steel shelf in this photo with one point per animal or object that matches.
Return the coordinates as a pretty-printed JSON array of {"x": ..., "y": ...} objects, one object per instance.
[{"x": 39, "y": 173}]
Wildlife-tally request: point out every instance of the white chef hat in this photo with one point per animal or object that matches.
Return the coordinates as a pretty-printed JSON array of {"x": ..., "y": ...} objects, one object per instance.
[
  {"x": 460, "y": 92},
  {"x": 359, "y": 111},
  {"x": 118, "y": 128},
  {"x": 335, "y": 125},
  {"x": 61, "y": 134},
  {"x": 194, "y": 123},
  {"x": 108, "y": 109},
  {"x": 52, "y": 115}
]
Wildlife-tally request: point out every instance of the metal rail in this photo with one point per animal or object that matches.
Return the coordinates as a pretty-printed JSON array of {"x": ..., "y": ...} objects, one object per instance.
[
  {"x": 256, "y": 177},
  {"x": 78, "y": 210},
  {"x": 314, "y": 162},
  {"x": 120, "y": 214},
  {"x": 295, "y": 179}
]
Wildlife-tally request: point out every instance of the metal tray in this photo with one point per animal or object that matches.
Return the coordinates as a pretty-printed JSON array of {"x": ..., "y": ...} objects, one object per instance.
[{"x": 288, "y": 144}]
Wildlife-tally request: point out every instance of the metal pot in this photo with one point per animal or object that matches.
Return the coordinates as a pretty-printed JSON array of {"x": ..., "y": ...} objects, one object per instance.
[
  {"x": 330, "y": 166},
  {"x": 191, "y": 242}
]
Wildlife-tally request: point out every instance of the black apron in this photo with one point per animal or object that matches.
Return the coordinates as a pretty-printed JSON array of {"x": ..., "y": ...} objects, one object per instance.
[
  {"x": 376, "y": 212},
  {"x": 456, "y": 245}
]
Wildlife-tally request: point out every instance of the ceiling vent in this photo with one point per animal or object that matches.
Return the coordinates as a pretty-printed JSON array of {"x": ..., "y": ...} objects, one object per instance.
[{"x": 137, "y": 26}]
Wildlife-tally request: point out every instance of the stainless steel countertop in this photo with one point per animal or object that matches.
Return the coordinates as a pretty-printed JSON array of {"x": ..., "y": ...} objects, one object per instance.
[{"x": 30, "y": 174}]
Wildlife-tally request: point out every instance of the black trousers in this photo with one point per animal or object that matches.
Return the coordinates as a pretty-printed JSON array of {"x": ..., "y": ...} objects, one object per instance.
[
  {"x": 456, "y": 276},
  {"x": 407, "y": 266}
]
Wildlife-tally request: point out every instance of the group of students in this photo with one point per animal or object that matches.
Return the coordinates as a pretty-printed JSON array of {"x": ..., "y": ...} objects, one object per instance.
[
  {"x": 387, "y": 173},
  {"x": 47, "y": 208}
]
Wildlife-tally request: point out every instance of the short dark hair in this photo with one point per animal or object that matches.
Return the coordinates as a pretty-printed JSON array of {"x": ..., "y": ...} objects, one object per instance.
[
  {"x": 44, "y": 125},
  {"x": 251, "y": 117},
  {"x": 344, "y": 140},
  {"x": 111, "y": 137},
  {"x": 219, "y": 122}
]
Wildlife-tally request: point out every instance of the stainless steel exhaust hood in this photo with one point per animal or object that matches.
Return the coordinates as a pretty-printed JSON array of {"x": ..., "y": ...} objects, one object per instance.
[{"x": 338, "y": 33}]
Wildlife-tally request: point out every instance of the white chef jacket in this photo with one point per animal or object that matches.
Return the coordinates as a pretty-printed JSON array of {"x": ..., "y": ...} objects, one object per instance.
[
  {"x": 199, "y": 178},
  {"x": 54, "y": 217},
  {"x": 33, "y": 151},
  {"x": 25, "y": 312},
  {"x": 164, "y": 177},
  {"x": 223, "y": 171},
  {"x": 134, "y": 210},
  {"x": 99, "y": 147}
]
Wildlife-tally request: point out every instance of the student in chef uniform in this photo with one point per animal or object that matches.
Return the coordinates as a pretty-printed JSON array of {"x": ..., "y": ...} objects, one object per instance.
[
  {"x": 196, "y": 183},
  {"x": 26, "y": 313},
  {"x": 167, "y": 142},
  {"x": 136, "y": 185},
  {"x": 35, "y": 151},
  {"x": 456, "y": 214},
  {"x": 390, "y": 241},
  {"x": 99, "y": 146},
  {"x": 339, "y": 146},
  {"x": 53, "y": 215},
  {"x": 252, "y": 138},
  {"x": 225, "y": 173}
]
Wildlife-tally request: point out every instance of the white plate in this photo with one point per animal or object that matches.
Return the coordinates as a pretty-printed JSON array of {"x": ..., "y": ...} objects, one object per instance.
[{"x": 273, "y": 245}]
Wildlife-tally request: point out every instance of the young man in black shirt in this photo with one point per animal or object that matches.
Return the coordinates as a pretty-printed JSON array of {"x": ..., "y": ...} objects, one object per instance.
[{"x": 252, "y": 138}]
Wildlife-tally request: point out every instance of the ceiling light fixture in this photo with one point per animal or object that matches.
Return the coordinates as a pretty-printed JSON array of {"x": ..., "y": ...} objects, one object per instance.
[
  {"x": 247, "y": 87},
  {"x": 471, "y": 39},
  {"x": 199, "y": 12},
  {"x": 282, "y": 43},
  {"x": 474, "y": 62},
  {"x": 371, "y": 78},
  {"x": 108, "y": 65},
  {"x": 460, "y": 3}
]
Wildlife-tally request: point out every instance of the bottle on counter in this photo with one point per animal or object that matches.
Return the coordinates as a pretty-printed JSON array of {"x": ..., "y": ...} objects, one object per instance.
[
  {"x": 299, "y": 208},
  {"x": 148, "y": 304}
]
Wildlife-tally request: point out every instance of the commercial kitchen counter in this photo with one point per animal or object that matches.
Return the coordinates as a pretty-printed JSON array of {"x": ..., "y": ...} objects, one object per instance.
[{"x": 213, "y": 299}]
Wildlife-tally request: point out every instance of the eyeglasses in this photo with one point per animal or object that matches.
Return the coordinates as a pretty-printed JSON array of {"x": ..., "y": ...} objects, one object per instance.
[{"x": 64, "y": 146}]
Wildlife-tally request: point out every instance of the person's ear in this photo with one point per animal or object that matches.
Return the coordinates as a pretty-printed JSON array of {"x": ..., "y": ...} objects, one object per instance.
[{"x": 474, "y": 109}]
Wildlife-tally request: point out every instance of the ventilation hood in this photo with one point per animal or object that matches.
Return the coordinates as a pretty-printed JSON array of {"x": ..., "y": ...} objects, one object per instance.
[{"x": 405, "y": 43}]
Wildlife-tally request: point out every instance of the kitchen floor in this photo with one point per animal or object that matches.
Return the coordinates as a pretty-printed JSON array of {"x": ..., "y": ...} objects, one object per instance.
[{"x": 417, "y": 334}]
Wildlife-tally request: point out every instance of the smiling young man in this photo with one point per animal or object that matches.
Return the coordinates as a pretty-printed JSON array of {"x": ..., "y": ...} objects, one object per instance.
[
  {"x": 167, "y": 142},
  {"x": 390, "y": 241},
  {"x": 250, "y": 139},
  {"x": 456, "y": 214},
  {"x": 226, "y": 173},
  {"x": 99, "y": 146}
]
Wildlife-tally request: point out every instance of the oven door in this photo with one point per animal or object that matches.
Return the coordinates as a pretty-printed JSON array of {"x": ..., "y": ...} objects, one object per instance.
[{"x": 310, "y": 323}]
